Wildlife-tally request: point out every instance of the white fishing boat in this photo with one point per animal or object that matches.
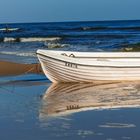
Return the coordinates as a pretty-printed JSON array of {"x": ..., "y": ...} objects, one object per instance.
[{"x": 67, "y": 66}]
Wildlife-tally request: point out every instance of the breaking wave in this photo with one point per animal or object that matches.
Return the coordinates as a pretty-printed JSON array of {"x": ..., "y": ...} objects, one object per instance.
[
  {"x": 56, "y": 39},
  {"x": 9, "y": 29},
  {"x": 55, "y": 45},
  {"x": 29, "y": 39}
]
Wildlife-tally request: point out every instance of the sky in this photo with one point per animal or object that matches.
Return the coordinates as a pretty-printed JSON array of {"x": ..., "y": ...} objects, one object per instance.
[{"x": 14, "y": 11}]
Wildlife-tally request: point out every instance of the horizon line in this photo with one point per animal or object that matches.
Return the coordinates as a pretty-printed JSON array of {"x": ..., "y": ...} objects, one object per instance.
[{"x": 114, "y": 20}]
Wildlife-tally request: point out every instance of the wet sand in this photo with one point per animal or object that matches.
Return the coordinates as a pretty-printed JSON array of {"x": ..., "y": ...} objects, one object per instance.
[
  {"x": 11, "y": 68},
  {"x": 64, "y": 99}
]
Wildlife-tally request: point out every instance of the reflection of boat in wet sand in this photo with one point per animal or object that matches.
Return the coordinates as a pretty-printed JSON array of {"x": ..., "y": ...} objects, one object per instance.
[
  {"x": 67, "y": 66},
  {"x": 64, "y": 99}
]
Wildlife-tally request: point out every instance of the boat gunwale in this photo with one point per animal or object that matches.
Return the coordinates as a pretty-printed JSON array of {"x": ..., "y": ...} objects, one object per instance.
[
  {"x": 66, "y": 61},
  {"x": 77, "y": 52}
]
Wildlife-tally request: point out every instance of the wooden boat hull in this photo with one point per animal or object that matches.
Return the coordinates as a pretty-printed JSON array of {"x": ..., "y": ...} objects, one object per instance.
[{"x": 103, "y": 69}]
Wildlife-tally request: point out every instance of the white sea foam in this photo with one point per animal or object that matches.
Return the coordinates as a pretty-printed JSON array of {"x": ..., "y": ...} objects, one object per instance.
[
  {"x": 30, "y": 39},
  {"x": 9, "y": 29},
  {"x": 55, "y": 45},
  {"x": 31, "y": 54},
  {"x": 41, "y": 39},
  {"x": 9, "y": 39}
]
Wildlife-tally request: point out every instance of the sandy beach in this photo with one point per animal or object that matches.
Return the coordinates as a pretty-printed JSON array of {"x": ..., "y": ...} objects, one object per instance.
[{"x": 11, "y": 68}]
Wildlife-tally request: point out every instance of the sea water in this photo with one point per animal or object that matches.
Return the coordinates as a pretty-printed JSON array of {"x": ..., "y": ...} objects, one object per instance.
[{"x": 73, "y": 36}]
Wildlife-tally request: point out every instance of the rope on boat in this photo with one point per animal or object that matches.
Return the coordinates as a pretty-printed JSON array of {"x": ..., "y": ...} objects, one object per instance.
[
  {"x": 64, "y": 54},
  {"x": 71, "y": 55}
]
